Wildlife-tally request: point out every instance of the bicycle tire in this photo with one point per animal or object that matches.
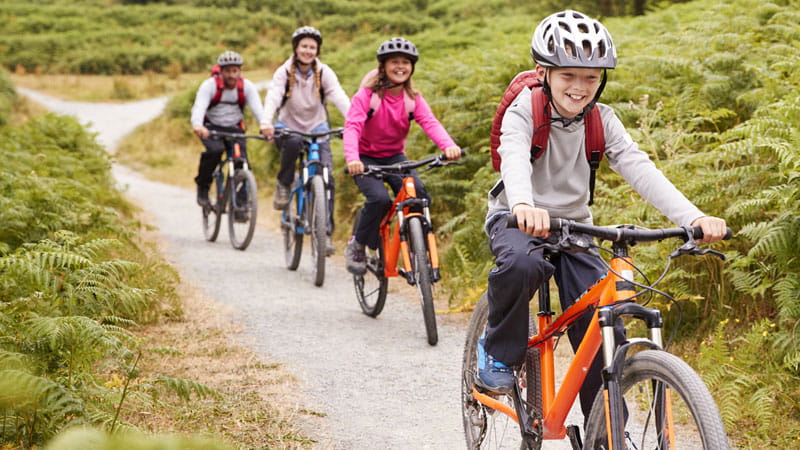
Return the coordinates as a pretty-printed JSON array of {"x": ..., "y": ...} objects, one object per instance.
[
  {"x": 212, "y": 213},
  {"x": 483, "y": 426},
  {"x": 372, "y": 286},
  {"x": 292, "y": 240},
  {"x": 242, "y": 217},
  {"x": 421, "y": 267},
  {"x": 318, "y": 221},
  {"x": 697, "y": 420}
]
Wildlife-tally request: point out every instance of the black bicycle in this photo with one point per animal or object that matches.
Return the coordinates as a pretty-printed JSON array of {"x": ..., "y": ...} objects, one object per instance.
[{"x": 235, "y": 193}]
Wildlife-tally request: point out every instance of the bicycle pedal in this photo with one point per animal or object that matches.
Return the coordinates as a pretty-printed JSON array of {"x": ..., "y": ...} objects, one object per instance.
[{"x": 436, "y": 275}]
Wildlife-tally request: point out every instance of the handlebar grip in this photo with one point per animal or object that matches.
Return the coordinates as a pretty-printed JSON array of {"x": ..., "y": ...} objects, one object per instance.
[
  {"x": 511, "y": 222},
  {"x": 697, "y": 233}
]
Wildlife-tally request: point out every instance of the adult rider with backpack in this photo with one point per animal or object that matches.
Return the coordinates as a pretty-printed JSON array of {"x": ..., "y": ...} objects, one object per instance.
[
  {"x": 375, "y": 132},
  {"x": 571, "y": 52},
  {"x": 219, "y": 105},
  {"x": 299, "y": 92}
]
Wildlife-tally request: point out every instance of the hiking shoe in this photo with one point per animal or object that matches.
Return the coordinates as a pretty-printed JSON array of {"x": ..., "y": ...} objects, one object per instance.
[
  {"x": 355, "y": 258},
  {"x": 493, "y": 375},
  {"x": 202, "y": 196},
  {"x": 329, "y": 249},
  {"x": 281, "y": 197}
]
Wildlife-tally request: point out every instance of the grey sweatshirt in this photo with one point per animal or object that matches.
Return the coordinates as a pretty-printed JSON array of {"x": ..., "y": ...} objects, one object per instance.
[
  {"x": 559, "y": 180},
  {"x": 226, "y": 113}
]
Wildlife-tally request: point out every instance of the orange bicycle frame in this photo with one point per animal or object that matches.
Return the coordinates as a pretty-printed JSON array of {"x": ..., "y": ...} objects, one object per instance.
[
  {"x": 395, "y": 245},
  {"x": 556, "y": 404}
]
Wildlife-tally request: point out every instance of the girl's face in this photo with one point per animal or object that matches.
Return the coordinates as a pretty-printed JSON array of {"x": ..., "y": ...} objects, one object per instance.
[
  {"x": 398, "y": 69},
  {"x": 572, "y": 88},
  {"x": 306, "y": 50}
]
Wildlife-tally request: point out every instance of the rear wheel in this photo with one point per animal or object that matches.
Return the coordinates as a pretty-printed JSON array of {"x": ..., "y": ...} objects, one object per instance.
[
  {"x": 292, "y": 240},
  {"x": 422, "y": 274},
  {"x": 243, "y": 209},
  {"x": 371, "y": 287},
  {"x": 212, "y": 212},
  {"x": 318, "y": 221},
  {"x": 667, "y": 406},
  {"x": 485, "y": 427}
]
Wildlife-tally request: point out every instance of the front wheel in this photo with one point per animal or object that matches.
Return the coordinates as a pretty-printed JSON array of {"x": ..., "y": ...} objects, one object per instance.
[
  {"x": 318, "y": 221},
  {"x": 243, "y": 209},
  {"x": 371, "y": 287},
  {"x": 421, "y": 267},
  {"x": 484, "y": 427},
  {"x": 667, "y": 406},
  {"x": 212, "y": 212}
]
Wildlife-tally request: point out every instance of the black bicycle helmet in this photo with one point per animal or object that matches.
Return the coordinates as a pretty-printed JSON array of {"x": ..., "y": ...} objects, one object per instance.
[
  {"x": 230, "y": 58},
  {"x": 398, "y": 46},
  {"x": 307, "y": 31},
  {"x": 573, "y": 39}
]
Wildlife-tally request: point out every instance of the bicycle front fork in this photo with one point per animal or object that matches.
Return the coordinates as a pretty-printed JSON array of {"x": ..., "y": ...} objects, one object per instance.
[{"x": 614, "y": 361}]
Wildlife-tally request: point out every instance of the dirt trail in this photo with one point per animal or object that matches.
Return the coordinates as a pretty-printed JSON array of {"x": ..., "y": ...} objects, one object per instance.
[{"x": 375, "y": 383}]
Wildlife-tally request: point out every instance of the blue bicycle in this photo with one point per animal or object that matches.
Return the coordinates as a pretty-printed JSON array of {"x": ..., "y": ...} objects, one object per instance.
[{"x": 308, "y": 213}]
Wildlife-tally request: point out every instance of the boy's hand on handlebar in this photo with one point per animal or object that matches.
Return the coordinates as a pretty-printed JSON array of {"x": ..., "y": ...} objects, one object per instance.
[
  {"x": 452, "y": 153},
  {"x": 355, "y": 167},
  {"x": 533, "y": 221},
  {"x": 713, "y": 228},
  {"x": 201, "y": 131},
  {"x": 268, "y": 133}
]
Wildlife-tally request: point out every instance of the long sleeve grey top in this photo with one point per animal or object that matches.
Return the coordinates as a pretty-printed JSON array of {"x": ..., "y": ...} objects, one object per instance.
[
  {"x": 558, "y": 181},
  {"x": 227, "y": 112}
]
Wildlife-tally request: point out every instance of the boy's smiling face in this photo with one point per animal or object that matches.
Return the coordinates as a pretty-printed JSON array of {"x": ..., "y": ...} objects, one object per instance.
[{"x": 572, "y": 88}]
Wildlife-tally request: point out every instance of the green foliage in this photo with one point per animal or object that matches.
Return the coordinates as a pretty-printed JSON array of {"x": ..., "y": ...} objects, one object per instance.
[
  {"x": 82, "y": 438},
  {"x": 8, "y": 97}
]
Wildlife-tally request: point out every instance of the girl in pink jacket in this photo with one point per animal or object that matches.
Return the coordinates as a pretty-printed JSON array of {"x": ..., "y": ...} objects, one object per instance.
[{"x": 375, "y": 133}]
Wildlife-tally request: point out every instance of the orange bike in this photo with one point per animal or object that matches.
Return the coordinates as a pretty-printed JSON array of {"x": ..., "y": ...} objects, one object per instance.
[
  {"x": 650, "y": 399},
  {"x": 411, "y": 236}
]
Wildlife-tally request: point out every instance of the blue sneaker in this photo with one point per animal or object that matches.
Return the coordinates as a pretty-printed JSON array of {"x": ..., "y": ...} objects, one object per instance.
[{"x": 493, "y": 375}]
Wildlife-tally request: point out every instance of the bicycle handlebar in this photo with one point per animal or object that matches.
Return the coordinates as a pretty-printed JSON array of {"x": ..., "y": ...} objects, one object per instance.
[
  {"x": 336, "y": 132},
  {"x": 223, "y": 134},
  {"x": 406, "y": 166},
  {"x": 618, "y": 234}
]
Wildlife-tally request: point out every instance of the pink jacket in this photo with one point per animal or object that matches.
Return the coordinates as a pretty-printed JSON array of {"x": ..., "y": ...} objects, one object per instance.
[{"x": 384, "y": 134}]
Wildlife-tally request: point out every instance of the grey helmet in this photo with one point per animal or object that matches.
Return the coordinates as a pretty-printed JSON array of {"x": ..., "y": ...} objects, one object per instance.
[
  {"x": 398, "y": 46},
  {"x": 307, "y": 31},
  {"x": 230, "y": 58},
  {"x": 573, "y": 39}
]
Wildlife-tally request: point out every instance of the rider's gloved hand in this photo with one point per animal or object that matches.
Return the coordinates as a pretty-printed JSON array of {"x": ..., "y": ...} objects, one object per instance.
[
  {"x": 201, "y": 131},
  {"x": 452, "y": 153},
  {"x": 355, "y": 167}
]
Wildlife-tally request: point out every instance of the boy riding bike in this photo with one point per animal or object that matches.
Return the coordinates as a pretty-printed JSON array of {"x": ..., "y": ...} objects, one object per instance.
[
  {"x": 219, "y": 105},
  {"x": 572, "y": 53},
  {"x": 299, "y": 92},
  {"x": 375, "y": 133}
]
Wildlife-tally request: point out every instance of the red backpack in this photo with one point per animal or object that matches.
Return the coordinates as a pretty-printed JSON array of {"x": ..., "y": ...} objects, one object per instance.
[
  {"x": 595, "y": 136},
  {"x": 216, "y": 74}
]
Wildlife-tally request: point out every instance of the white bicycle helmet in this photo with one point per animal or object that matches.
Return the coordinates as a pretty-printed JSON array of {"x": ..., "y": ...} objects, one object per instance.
[
  {"x": 230, "y": 58},
  {"x": 573, "y": 39},
  {"x": 398, "y": 46},
  {"x": 307, "y": 31}
]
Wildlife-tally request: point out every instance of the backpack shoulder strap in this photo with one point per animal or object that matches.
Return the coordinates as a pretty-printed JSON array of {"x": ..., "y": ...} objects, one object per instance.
[
  {"x": 410, "y": 104},
  {"x": 595, "y": 145},
  {"x": 540, "y": 108},
  {"x": 240, "y": 93},
  {"x": 520, "y": 81},
  {"x": 218, "y": 94}
]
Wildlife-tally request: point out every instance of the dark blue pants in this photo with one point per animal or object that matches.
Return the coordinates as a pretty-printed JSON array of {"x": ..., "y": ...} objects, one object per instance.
[
  {"x": 378, "y": 202},
  {"x": 214, "y": 148},
  {"x": 516, "y": 279}
]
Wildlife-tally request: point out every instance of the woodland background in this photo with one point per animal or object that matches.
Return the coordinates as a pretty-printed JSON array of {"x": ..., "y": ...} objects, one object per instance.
[{"x": 708, "y": 88}]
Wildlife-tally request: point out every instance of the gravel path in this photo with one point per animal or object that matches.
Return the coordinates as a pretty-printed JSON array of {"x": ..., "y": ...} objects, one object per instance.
[{"x": 375, "y": 382}]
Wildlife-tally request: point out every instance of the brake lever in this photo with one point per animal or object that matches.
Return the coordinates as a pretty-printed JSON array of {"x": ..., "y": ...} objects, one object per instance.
[{"x": 690, "y": 247}]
